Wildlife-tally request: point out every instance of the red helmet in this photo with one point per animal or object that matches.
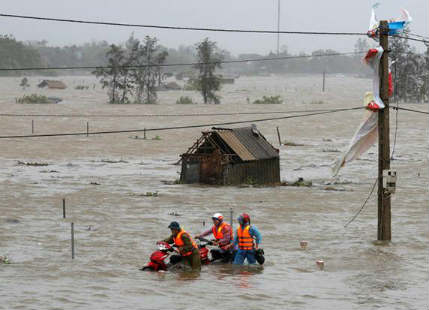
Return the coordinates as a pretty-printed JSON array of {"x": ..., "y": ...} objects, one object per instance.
[{"x": 246, "y": 217}]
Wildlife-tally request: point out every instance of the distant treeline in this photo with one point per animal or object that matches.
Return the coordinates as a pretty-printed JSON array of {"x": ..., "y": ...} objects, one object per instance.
[
  {"x": 411, "y": 67},
  {"x": 15, "y": 54}
]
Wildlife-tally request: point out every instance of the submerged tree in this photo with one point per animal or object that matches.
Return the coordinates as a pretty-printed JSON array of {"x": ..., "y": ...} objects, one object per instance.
[
  {"x": 114, "y": 76},
  {"x": 24, "y": 83},
  {"x": 209, "y": 59}
]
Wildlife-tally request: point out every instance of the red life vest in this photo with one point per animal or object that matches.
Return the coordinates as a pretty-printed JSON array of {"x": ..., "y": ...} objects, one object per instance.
[
  {"x": 179, "y": 242},
  {"x": 217, "y": 231},
  {"x": 245, "y": 240}
]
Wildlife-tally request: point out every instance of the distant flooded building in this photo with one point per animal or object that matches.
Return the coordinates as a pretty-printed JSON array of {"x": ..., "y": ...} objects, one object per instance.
[
  {"x": 52, "y": 84},
  {"x": 226, "y": 156}
]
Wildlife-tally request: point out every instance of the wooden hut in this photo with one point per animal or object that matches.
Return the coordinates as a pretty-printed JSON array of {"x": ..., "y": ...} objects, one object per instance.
[
  {"x": 225, "y": 156},
  {"x": 52, "y": 84}
]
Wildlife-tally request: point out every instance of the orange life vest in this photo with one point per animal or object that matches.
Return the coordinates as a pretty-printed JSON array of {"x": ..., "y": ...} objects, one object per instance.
[
  {"x": 245, "y": 240},
  {"x": 179, "y": 242},
  {"x": 218, "y": 234}
]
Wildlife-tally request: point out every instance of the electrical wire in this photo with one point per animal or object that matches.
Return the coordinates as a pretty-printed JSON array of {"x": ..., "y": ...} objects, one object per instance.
[
  {"x": 176, "y": 127},
  {"x": 410, "y": 110},
  {"x": 158, "y": 115},
  {"x": 363, "y": 206},
  {"x": 412, "y": 39},
  {"x": 79, "y": 21},
  {"x": 178, "y": 64}
]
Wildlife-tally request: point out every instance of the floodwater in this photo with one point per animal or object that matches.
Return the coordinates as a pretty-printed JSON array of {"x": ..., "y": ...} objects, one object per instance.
[{"x": 105, "y": 178}]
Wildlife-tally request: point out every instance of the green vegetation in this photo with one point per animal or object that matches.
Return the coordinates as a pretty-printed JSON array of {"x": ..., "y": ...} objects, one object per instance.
[
  {"x": 24, "y": 83},
  {"x": 209, "y": 58},
  {"x": 33, "y": 98},
  {"x": 15, "y": 54},
  {"x": 184, "y": 100},
  {"x": 133, "y": 71},
  {"x": 157, "y": 138},
  {"x": 269, "y": 100}
]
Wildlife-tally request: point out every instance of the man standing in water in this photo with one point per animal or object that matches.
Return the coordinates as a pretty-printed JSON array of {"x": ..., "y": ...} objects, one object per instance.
[
  {"x": 222, "y": 232},
  {"x": 247, "y": 239},
  {"x": 187, "y": 248}
]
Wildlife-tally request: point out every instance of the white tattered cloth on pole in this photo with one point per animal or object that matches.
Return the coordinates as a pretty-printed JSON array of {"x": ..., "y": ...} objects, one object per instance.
[{"x": 367, "y": 133}]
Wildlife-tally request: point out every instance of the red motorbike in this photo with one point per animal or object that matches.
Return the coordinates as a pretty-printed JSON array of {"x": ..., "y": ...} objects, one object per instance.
[{"x": 158, "y": 258}]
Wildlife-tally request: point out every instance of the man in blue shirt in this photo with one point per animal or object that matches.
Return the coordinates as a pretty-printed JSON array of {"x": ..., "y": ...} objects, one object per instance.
[{"x": 247, "y": 239}]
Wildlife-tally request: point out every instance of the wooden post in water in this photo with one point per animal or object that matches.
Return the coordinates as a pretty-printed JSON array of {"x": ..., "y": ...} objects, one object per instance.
[
  {"x": 384, "y": 211},
  {"x": 64, "y": 208},
  {"x": 278, "y": 135},
  {"x": 32, "y": 126},
  {"x": 144, "y": 134},
  {"x": 72, "y": 239},
  {"x": 87, "y": 129},
  {"x": 324, "y": 78}
]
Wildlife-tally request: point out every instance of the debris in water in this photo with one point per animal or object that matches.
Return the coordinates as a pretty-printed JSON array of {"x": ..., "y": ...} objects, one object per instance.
[
  {"x": 290, "y": 143},
  {"x": 12, "y": 221},
  {"x": 320, "y": 264},
  {"x": 168, "y": 182},
  {"x": 300, "y": 182},
  {"x": 303, "y": 244},
  {"x": 4, "y": 260},
  {"x": 334, "y": 189},
  {"x": 174, "y": 213},
  {"x": 331, "y": 151},
  {"x": 94, "y": 183},
  {"x": 32, "y": 164},
  {"x": 110, "y": 161}
]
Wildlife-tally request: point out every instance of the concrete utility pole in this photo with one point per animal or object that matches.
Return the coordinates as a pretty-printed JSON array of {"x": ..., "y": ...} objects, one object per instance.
[
  {"x": 278, "y": 27},
  {"x": 384, "y": 212}
]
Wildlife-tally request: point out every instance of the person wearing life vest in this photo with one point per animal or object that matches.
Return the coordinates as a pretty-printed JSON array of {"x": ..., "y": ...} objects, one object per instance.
[
  {"x": 222, "y": 232},
  {"x": 247, "y": 239},
  {"x": 187, "y": 248}
]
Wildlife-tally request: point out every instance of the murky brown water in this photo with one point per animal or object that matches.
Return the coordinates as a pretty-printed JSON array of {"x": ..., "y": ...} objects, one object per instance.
[{"x": 125, "y": 225}]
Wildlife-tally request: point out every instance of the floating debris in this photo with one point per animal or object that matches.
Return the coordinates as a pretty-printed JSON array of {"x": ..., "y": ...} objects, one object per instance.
[
  {"x": 49, "y": 171},
  {"x": 331, "y": 151},
  {"x": 32, "y": 164},
  {"x": 94, "y": 183},
  {"x": 4, "y": 260},
  {"x": 111, "y": 161},
  {"x": 174, "y": 213},
  {"x": 290, "y": 143},
  {"x": 299, "y": 183},
  {"x": 168, "y": 182},
  {"x": 334, "y": 189},
  {"x": 12, "y": 221}
]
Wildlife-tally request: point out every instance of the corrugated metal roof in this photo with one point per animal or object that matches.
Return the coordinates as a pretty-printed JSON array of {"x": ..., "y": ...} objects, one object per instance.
[
  {"x": 233, "y": 142},
  {"x": 248, "y": 144}
]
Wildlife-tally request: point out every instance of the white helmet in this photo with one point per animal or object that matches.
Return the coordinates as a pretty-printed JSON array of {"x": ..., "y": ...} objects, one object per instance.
[{"x": 218, "y": 216}]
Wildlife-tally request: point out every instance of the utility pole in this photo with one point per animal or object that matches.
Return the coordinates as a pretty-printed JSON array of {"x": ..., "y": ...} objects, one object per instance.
[
  {"x": 384, "y": 212},
  {"x": 278, "y": 27}
]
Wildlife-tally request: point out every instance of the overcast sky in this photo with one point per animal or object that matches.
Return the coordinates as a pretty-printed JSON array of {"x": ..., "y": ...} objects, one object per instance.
[{"x": 302, "y": 15}]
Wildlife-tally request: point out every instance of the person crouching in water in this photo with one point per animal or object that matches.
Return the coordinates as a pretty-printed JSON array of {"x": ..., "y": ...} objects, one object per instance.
[
  {"x": 247, "y": 239},
  {"x": 188, "y": 249},
  {"x": 222, "y": 232}
]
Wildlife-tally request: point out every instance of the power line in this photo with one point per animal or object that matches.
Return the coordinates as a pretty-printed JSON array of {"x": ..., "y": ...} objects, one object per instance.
[
  {"x": 410, "y": 110},
  {"x": 178, "y": 64},
  {"x": 79, "y": 21},
  {"x": 419, "y": 36},
  {"x": 157, "y": 115},
  {"x": 411, "y": 39},
  {"x": 363, "y": 206},
  {"x": 176, "y": 127}
]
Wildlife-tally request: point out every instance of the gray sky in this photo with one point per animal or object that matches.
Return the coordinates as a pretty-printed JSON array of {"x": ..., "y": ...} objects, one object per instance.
[{"x": 303, "y": 15}]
